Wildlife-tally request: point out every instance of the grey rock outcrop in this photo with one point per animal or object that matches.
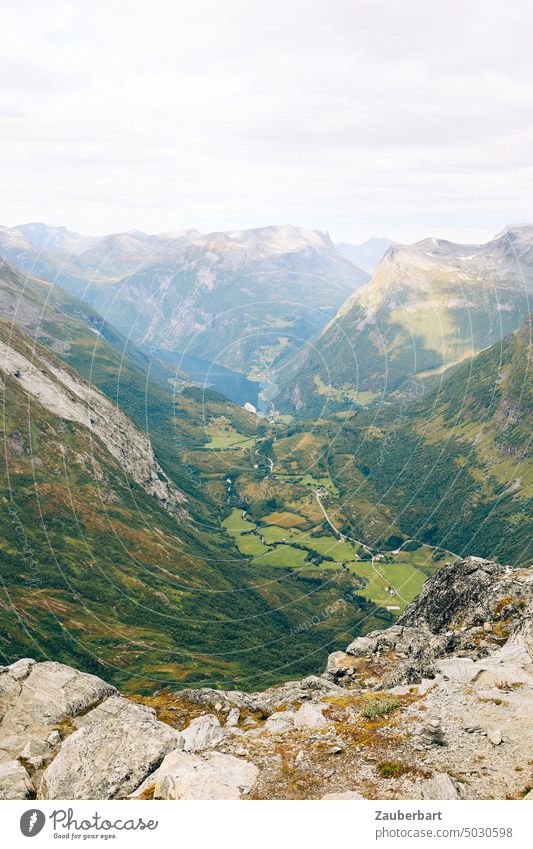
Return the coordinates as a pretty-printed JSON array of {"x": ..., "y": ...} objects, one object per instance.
[
  {"x": 204, "y": 732},
  {"x": 280, "y": 721},
  {"x": 14, "y": 781},
  {"x": 449, "y": 626},
  {"x": 119, "y": 744},
  {"x": 36, "y": 697},
  {"x": 311, "y": 715},
  {"x": 183, "y": 775}
]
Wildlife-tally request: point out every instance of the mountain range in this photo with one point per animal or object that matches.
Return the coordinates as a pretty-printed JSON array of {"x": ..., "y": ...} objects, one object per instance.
[
  {"x": 239, "y": 298},
  {"x": 113, "y": 554},
  {"x": 155, "y": 531},
  {"x": 428, "y": 307}
]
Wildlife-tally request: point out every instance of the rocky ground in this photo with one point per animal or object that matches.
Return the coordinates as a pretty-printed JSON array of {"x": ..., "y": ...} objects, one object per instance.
[{"x": 438, "y": 706}]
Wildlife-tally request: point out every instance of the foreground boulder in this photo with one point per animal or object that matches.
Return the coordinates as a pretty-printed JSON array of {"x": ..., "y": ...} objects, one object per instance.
[
  {"x": 119, "y": 744},
  {"x": 14, "y": 781},
  {"x": 210, "y": 776},
  {"x": 35, "y": 699}
]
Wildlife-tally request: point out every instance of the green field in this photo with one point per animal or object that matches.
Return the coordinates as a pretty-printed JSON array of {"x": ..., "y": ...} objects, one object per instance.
[
  {"x": 402, "y": 575},
  {"x": 330, "y": 546},
  {"x": 405, "y": 579},
  {"x": 283, "y": 555},
  {"x": 235, "y": 524},
  {"x": 273, "y": 534},
  {"x": 220, "y": 439}
]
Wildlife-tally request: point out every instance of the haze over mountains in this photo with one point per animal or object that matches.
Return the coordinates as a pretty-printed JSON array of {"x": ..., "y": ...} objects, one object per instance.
[
  {"x": 427, "y": 307},
  {"x": 241, "y": 297},
  {"x": 171, "y": 530},
  {"x": 368, "y": 254}
]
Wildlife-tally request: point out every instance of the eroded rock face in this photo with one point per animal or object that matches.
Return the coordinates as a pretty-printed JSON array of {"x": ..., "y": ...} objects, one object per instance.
[
  {"x": 65, "y": 394},
  {"x": 183, "y": 775},
  {"x": 119, "y": 744},
  {"x": 455, "y": 589}
]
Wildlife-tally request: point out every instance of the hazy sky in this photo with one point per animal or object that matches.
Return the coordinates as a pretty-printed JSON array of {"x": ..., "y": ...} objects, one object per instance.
[{"x": 361, "y": 118}]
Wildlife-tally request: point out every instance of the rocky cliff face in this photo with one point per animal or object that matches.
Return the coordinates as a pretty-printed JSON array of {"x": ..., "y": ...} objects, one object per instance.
[
  {"x": 61, "y": 391},
  {"x": 438, "y": 706}
]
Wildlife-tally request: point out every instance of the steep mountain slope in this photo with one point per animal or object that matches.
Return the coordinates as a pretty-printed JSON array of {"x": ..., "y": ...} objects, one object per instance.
[
  {"x": 368, "y": 254},
  {"x": 103, "y": 562},
  {"x": 452, "y": 469},
  {"x": 428, "y": 306},
  {"x": 242, "y": 298}
]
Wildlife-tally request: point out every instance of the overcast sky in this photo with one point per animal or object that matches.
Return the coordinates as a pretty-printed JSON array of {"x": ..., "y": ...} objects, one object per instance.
[{"x": 361, "y": 118}]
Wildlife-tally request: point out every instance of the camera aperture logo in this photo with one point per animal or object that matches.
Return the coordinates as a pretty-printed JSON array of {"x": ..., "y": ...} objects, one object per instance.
[{"x": 32, "y": 822}]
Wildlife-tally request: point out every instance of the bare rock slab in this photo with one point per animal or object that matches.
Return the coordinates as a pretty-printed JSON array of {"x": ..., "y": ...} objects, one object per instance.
[
  {"x": 184, "y": 775},
  {"x": 310, "y": 715},
  {"x": 110, "y": 755}
]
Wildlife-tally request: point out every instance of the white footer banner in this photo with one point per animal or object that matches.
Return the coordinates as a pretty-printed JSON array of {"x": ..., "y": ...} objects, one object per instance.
[{"x": 255, "y": 824}]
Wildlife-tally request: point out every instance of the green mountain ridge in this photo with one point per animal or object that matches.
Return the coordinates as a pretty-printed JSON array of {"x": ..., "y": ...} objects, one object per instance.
[
  {"x": 241, "y": 298},
  {"x": 428, "y": 307},
  {"x": 452, "y": 469}
]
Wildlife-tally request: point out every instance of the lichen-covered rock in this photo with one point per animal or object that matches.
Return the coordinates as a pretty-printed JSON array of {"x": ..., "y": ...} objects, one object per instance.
[
  {"x": 109, "y": 757},
  {"x": 456, "y": 589},
  {"x": 183, "y": 775}
]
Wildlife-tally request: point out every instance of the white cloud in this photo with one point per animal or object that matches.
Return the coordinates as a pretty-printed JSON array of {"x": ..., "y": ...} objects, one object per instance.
[{"x": 358, "y": 117}]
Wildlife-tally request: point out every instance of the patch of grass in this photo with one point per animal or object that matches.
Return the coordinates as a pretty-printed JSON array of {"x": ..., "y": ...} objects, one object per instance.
[
  {"x": 250, "y": 545},
  {"x": 235, "y": 524},
  {"x": 283, "y": 555},
  {"x": 392, "y": 769},
  {"x": 273, "y": 533},
  {"x": 377, "y": 707},
  {"x": 284, "y": 519}
]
